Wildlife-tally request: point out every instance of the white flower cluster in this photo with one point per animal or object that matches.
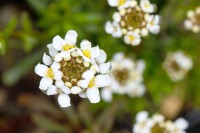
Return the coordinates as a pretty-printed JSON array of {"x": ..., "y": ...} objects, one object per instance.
[
  {"x": 126, "y": 78},
  {"x": 193, "y": 20},
  {"x": 177, "y": 65},
  {"x": 73, "y": 70},
  {"x": 158, "y": 124},
  {"x": 133, "y": 20}
]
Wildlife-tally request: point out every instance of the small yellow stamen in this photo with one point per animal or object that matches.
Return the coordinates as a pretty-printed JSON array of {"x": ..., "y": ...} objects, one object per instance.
[
  {"x": 87, "y": 53},
  {"x": 67, "y": 47},
  {"x": 131, "y": 38},
  {"x": 146, "y": 5},
  {"x": 50, "y": 73},
  {"x": 91, "y": 84},
  {"x": 121, "y": 2}
]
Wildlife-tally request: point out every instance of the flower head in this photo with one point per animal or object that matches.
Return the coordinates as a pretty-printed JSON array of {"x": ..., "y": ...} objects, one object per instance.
[
  {"x": 193, "y": 20},
  {"x": 158, "y": 124},
  {"x": 126, "y": 77},
  {"x": 177, "y": 65},
  {"x": 133, "y": 20},
  {"x": 73, "y": 70}
]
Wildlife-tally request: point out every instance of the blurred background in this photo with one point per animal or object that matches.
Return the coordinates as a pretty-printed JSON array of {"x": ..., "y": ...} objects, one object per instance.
[{"x": 27, "y": 26}]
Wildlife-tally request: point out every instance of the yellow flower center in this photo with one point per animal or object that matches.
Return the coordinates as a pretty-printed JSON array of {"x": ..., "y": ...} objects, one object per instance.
[
  {"x": 87, "y": 53},
  {"x": 50, "y": 73},
  {"x": 146, "y": 5},
  {"x": 121, "y": 2},
  {"x": 131, "y": 38},
  {"x": 91, "y": 84},
  {"x": 68, "y": 47}
]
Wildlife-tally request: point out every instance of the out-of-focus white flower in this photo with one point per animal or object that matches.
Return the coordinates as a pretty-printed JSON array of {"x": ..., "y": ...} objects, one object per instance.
[
  {"x": 179, "y": 126},
  {"x": 132, "y": 38},
  {"x": 113, "y": 28},
  {"x": 73, "y": 70},
  {"x": 153, "y": 24},
  {"x": 133, "y": 20},
  {"x": 177, "y": 65},
  {"x": 116, "y": 3},
  {"x": 143, "y": 123},
  {"x": 126, "y": 77},
  {"x": 147, "y": 6},
  {"x": 192, "y": 22},
  {"x": 158, "y": 124}
]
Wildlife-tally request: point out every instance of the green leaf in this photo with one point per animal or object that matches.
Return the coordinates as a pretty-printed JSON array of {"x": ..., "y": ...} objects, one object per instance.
[
  {"x": 49, "y": 124},
  {"x": 13, "y": 75}
]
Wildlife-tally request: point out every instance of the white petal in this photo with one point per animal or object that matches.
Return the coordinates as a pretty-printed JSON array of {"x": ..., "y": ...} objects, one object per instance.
[
  {"x": 95, "y": 52},
  {"x": 136, "y": 42},
  {"x": 58, "y": 75},
  {"x": 140, "y": 66},
  {"x": 75, "y": 90},
  {"x": 142, "y": 116},
  {"x": 85, "y": 44},
  {"x": 64, "y": 100},
  {"x": 116, "y": 17},
  {"x": 59, "y": 83},
  {"x": 58, "y": 43},
  {"x": 45, "y": 83},
  {"x": 158, "y": 118},
  {"x": 55, "y": 66},
  {"x": 127, "y": 39},
  {"x": 52, "y": 50},
  {"x": 181, "y": 123},
  {"x": 106, "y": 94},
  {"x": 41, "y": 70},
  {"x": 83, "y": 83},
  {"x": 65, "y": 54},
  {"x": 188, "y": 24},
  {"x": 71, "y": 36},
  {"x": 89, "y": 74},
  {"x": 118, "y": 56},
  {"x": 52, "y": 90},
  {"x": 66, "y": 90},
  {"x": 113, "y": 3},
  {"x": 83, "y": 95},
  {"x": 154, "y": 29},
  {"x": 102, "y": 57},
  {"x": 58, "y": 57},
  {"x": 102, "y": 80},
  {"x": 47, "y": 60},
  {"x": 93, "y": 94},
  {"x": 109, "y": 27},
  {"x": 105, "y": 68}
]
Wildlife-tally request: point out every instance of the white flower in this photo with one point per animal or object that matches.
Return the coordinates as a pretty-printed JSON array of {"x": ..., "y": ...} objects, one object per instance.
[
  {"x": 87, "y": 51},
  {"x": 67, "y": 43},
  {"x": 91, "y": 83},
  {"x": 132, "y": 38},
  {"x": 116, "y": 3},
  {"x": 72, "y": 70},
  {"x": 177, "y": 65},
  {"x": 179, "y": 126},
  {"x": 126, "y": 77},
  {"x": 52, "y": 50},
  {"x": 147, "y": 6},
  {"x": 153, "y": 24},
  {"x": 192, "y": 22},
  {"x": 48, "y": 74},
  {"x": 113, "y": 28},
  {"x": 143, "y": 123}
]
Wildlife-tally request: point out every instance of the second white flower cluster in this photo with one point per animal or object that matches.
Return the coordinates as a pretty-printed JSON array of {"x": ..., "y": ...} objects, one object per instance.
[
  {"x": 158, "y": 124},
  {"x": 133, "y": 20},
  {"x": 126, "y": 77},
  {"x": 73, "y": 70}
]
